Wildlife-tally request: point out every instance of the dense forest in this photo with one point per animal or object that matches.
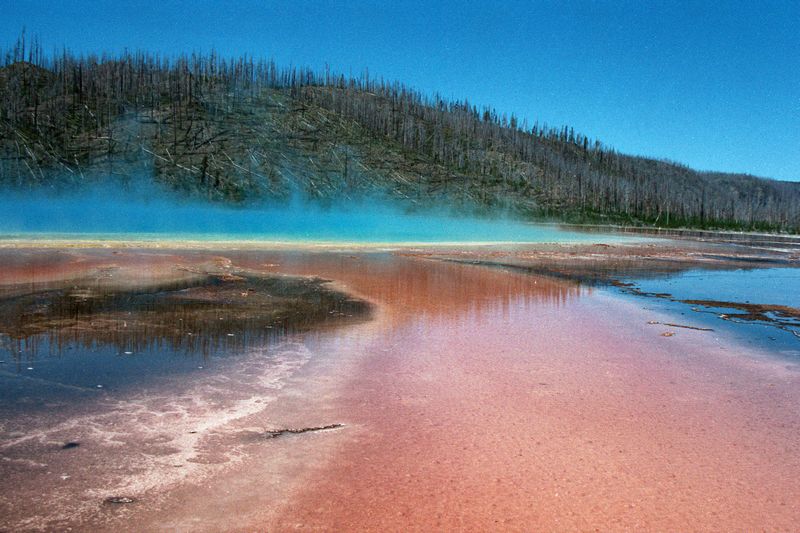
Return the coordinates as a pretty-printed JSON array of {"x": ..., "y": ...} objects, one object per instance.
[{"x": 243, "y": 129}]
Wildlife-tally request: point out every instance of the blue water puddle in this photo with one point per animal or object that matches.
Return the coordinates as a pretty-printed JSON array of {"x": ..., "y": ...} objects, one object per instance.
[
  {"x": 62, "y": 370},
  {"x": 46, "y": 370},
  {"x": 769, "y": 286},
  {"x": 776, "y": 286}
]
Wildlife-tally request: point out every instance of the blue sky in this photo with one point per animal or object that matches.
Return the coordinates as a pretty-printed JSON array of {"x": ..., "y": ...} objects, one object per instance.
[{"x": 715, "y": 85}]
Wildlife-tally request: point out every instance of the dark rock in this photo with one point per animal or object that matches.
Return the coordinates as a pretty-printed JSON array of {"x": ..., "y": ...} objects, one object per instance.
[
  {"x": 272, "y": 434},
  {"x": 119, "y": 500}
]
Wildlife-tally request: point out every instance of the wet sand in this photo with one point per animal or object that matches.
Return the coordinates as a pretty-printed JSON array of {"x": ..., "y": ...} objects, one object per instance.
[
  {"x": 566, "y": 411},
  {"x": 477, "y": 398},
  {"x": 602, "y": 263},
  {"x": 563, "y": 422}
]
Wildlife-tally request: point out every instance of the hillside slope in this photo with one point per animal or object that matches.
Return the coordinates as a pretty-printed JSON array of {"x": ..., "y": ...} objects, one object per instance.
[{"x": 239, "y": 131}]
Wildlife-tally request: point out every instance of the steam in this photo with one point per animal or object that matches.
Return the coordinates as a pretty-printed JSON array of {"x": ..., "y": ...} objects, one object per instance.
[{"x": 144, "y": 209}]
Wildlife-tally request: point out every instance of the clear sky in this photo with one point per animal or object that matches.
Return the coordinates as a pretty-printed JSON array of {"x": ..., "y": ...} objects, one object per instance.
[{"x": 715, "y": 85}]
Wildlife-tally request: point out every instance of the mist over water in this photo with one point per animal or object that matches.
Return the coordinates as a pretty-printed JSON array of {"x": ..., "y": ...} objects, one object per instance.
[{"x": 150, "y": 212}]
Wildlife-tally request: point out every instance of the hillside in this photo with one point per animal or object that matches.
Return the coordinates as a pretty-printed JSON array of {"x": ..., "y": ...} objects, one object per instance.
[{"x": 243, "y": 130}]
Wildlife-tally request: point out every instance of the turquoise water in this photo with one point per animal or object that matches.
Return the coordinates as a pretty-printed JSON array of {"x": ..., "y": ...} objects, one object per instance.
[{"x": 101, "y": 217}]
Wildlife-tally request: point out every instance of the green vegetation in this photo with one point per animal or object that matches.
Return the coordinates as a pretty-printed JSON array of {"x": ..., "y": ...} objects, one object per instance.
[{"x": 241, "y": 130}]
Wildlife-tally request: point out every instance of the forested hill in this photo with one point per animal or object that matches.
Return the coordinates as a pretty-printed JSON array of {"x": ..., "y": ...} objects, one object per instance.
[{"x": 241, "y": 130}]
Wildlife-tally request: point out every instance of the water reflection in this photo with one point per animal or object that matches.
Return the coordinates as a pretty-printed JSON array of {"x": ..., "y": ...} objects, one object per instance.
[
  {"x": 411, "y": 288},
  {"x": 197, "y": 317},
  {"x": 112, "y": 318},
  {"x": 110, "y": 323}
]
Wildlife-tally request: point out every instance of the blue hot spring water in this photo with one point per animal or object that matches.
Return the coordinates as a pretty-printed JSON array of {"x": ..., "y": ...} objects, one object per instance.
[{"x": 159, "y": 215}]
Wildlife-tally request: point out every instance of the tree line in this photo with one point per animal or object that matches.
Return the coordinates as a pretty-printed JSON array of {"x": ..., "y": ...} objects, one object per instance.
[{"x": 61, "y": 110}]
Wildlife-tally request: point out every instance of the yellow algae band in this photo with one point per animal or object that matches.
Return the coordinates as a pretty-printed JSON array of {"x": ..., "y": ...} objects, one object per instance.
[{"x": 535, "y": 234}]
